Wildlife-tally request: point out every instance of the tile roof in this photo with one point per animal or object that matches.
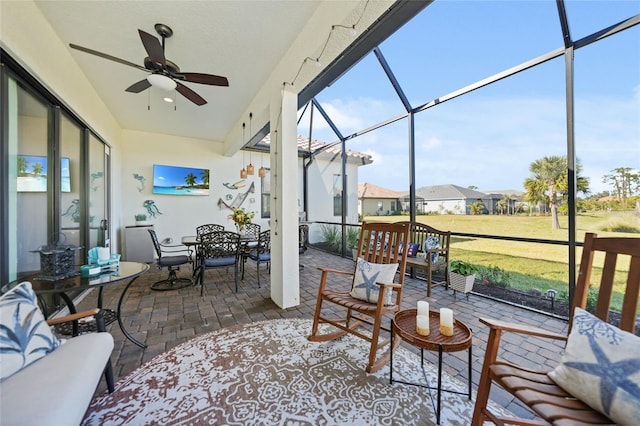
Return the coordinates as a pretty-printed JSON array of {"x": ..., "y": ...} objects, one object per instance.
[
  {"x": 448, "y": 192},
  {"x": 369, "y": 190},
  {"x": 332, "y": 151}
]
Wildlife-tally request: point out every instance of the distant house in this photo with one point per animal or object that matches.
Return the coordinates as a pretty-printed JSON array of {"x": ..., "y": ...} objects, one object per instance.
[
  {"x": 515, "y": 200},
  {"x": 450, "y": 199},
  {"x": 442, "y": 199},
  {"x": 374, "y": 200}
]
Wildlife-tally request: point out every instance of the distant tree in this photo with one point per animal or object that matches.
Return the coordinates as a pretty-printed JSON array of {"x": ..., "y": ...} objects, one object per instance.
[
  {"x": 477, "y": 207},
  {"x": 472, "y": 187},
  {"x": 625, "y": 182},
  {"x": 37, "y": 169},
  {"x": 205, "y": 176},
  {"x": 506, "y": 198},
  {"x": 22, "y": 165},
  {"x": 534, "y": 193},
  {"x": 551, "y": 172},
  {"x": 190, "y": 179}
]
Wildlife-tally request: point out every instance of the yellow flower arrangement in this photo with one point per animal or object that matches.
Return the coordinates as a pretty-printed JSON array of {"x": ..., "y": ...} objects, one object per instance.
[{"x": 241, "y": 217}]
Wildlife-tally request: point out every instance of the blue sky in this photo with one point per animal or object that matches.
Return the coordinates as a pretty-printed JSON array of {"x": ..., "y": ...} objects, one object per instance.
[
  {"x": 174, "y": 175},
  {"x": 490, "y": 137}
]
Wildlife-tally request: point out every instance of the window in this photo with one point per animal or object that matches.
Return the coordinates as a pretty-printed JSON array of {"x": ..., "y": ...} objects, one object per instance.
[
  {"x": 265, "y": 194},
  {"x": 337, "y": 195}
]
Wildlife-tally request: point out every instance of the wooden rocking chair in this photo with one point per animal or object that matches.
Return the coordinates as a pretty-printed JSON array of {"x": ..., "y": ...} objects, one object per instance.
[
  {"x": 379, "y": 243},
  {"x": 536, "y": 389}
]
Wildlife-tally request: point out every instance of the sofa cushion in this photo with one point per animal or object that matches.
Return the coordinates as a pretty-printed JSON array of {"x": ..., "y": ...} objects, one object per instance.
[
  {"x": 367, "y": 275},
  {"x": 56, "y": 389},
  {"x": 601, "y": 367},
  {"x": 25, "y": 336}
]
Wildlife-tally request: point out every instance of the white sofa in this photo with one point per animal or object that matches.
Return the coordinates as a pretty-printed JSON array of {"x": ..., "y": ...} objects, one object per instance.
[{"x": 55, "y": 389}]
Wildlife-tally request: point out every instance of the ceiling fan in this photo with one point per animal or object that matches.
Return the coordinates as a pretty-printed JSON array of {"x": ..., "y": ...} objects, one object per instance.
[{"x": 165, "y": 74}]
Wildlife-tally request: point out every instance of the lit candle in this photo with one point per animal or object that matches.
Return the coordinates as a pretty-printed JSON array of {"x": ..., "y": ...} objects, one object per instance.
[
  {"x": 446, "y": 322},
  {"x": 422, "y": 325},
  {"x": 423, "y": 308}
]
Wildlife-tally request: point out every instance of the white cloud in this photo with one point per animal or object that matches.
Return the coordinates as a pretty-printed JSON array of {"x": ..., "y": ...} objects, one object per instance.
[{"x": 489, "y": 142}]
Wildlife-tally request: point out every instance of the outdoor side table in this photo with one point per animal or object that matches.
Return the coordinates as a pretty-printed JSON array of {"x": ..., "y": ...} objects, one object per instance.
[
  {"x": 403, "y": 325},
  {"x": 127, "y": 272}
]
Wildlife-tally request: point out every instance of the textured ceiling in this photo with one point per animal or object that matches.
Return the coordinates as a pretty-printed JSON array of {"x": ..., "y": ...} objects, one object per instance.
[{"x": 245, "y": 41}]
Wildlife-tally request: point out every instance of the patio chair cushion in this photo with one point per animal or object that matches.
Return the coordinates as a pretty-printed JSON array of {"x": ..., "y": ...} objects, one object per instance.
[
  {"x": 367, "y": 274},
  {"x": 173, "y": 260},
  {"x": 601, "y": 367},
  {"x": 25, "y": 336},
  {"x": 220, "y": 261},
  {"x": 429, "y": 244}
]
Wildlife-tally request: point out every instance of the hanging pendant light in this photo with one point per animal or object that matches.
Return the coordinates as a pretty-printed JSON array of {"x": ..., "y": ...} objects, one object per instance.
[
  {"x": 243, "y": 172},
  {"x": 250, "y": 166}
]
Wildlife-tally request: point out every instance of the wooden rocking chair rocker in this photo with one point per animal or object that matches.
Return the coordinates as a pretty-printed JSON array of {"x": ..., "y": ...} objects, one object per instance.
[
  {"x": 379, "y": 248},
  {"x": 536, "y": 389}
]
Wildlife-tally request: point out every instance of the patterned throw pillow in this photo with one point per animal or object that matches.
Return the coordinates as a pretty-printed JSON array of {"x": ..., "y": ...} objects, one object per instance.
[
  {"x": 430, "y": 244},
  {"x": 25, "y": 336},
  {"x": 601, "y": 367},
  {"x": 412, "y": 250},
  {"x": 367, "y": 274}
]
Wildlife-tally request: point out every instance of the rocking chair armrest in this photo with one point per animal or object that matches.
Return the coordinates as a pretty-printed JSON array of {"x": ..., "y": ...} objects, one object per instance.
[
  {"x": 73, "y": 317},
  {"x": 334, "y": 271},
  {"x": 389, "y": 285},
  {"x": 521, "y": 328}
]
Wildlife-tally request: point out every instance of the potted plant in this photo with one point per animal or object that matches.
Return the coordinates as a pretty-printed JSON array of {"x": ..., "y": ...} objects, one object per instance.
[
  {"x": 141, "y": 219},
  {"x": 241, "y": 218},
  {"x": 461, "y": 276}
]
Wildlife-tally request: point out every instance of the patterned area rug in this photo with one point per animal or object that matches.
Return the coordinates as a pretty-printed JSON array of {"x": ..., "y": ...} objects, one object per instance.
[{"x": 268, "y": 373}]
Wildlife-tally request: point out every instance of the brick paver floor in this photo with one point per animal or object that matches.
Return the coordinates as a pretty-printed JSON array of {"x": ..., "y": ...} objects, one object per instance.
[{"x": 163, "y": 320}]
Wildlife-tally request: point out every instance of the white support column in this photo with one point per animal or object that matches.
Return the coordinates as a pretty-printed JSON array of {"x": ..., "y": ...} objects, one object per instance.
[{"x": 285, "y": 279}]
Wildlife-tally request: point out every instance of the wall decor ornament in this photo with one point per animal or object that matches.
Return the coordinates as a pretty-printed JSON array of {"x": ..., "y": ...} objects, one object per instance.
[
  {"x": 141, "y": 179},
  {"x": 73, "y": 211},
  {"x": 237, "y": 185},
  {"x": 94, "y": 177},
  {"x": 240, "y": 198},
  {"x": 152, "y": 209}
]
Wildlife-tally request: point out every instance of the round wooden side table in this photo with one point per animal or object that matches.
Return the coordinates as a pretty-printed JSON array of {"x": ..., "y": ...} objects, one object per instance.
[{"x": 403, "y": 325}]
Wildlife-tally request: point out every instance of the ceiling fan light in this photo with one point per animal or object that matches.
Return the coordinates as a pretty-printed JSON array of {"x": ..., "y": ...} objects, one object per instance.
[
  {"x": 161, "y": 82},
  {"x": 168, "y": 99}
]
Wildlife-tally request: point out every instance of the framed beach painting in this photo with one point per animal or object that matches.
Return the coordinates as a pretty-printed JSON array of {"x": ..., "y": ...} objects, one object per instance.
[
  {"x": 175, "y": 180},
  {"x": 32, "y": 174}
]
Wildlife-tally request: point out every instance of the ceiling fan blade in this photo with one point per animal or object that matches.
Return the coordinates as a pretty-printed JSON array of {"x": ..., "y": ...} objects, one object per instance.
[
  {"x": 190, "y": 94},
  {"x": 195, "y": 77},
  {"x": 139, "y": 86},
  {"x": 153, "y": 47},
  {"x": 105, "y": 56}
]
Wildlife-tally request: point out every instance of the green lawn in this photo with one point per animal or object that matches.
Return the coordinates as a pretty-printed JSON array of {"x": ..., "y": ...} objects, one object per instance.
[{"x": 530, "y": 265}]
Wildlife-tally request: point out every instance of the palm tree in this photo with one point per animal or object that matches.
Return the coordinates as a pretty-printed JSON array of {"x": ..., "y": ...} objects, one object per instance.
[
  {"x": 502, "y": 206},
  {"x": 506, "y": 199},
  {"x": 204, "y": 174},
  {"x": 190, "y": 179},
  {"x": 551, "y": 172},
  {"x": 534, "y": 194},
  {"x": 22, "y": 165},
  {"x": 37, "y": 169}
]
